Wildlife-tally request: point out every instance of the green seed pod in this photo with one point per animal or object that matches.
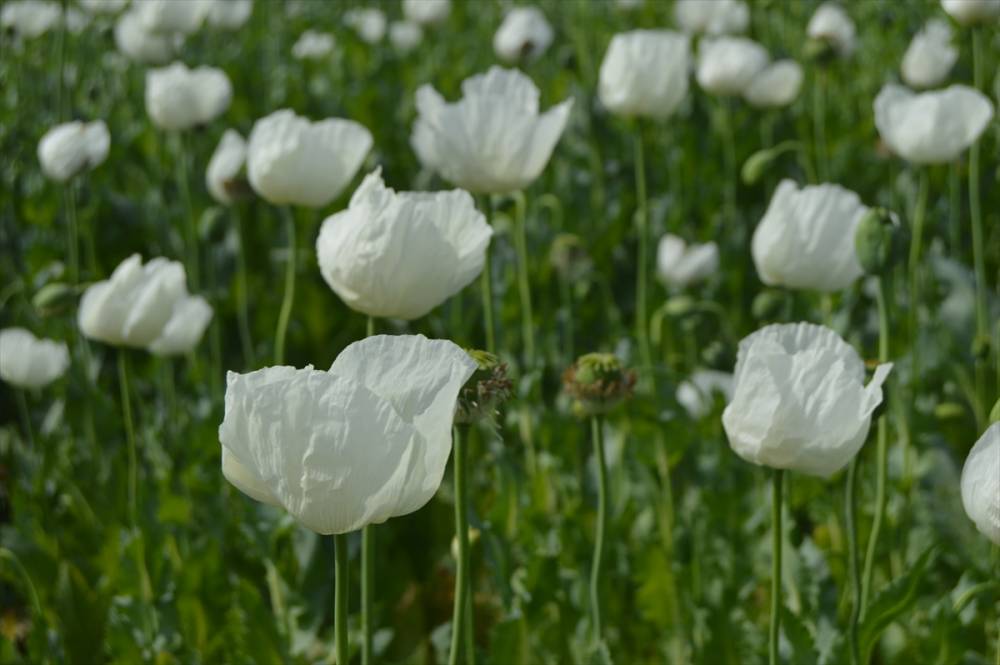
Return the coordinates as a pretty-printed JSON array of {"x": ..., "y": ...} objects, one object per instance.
[
  {"x": 598, "y": 383},
  {"x": 878, "y": 241},
  {"x": 54, "y": 298},
  {"x": 484, "y": 392}
]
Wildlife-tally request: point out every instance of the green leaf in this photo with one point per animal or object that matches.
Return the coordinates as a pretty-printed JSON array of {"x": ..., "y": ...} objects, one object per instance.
[
  {"x": 799, "y": 636},
  {"x": 892, "y": 602}
]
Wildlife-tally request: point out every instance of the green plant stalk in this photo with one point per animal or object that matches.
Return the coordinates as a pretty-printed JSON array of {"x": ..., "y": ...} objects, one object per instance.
[
  {"x": 523, "y": 283},
  {"x": 819, "y": 125},
  {"x": 73, "y": 232},
  {"x": 15, "y": 562},
  {"x": 22, "y": 406},
  {"x": 486, "y": 282},
  {"x": 566, "y": 295},
  {"x": 184, "y": 185},
  {"x": 642, "y": 263},
  {"x": 285, "y": 313},
  {"x": 919, "y": 213},
  {"x": 242, "y": 299},
  {"x": 133, "y": 465},
  {"x": 61, "y": 85},
  {"x": 850, "y": 501},
  {"x": 774, "y": 630},
  {"x": 462, "y": 583},
  {"x": 667, "y": 518},
  {"x": 341, "y": 576},
  {"x": 955, "y": 207},
  {"x": 368, "y": 572},
  {"x": 601, "y": 527},
  {"x": 976, "y": 215}
]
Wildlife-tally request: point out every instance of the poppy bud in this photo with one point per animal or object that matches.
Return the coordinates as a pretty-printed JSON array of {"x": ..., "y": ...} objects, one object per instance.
[
  {"x": 878, "y": 241},
  {"x": 598, "y": 383},
  {"x": 53, "y": 298}
]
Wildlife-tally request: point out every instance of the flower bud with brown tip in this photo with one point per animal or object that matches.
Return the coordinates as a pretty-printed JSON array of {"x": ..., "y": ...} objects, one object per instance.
[
  {"x": 598, "y": 383},
  {"x": 484, "y": 392}
]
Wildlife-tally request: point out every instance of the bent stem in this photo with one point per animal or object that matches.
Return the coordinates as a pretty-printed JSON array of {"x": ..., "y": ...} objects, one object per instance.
[
  {"x": 852, "y": 562},
  {"x": 523, "y": 284},
  {"x": 461, "y": 617},
  {"x": 486, "y": 281},
  {"x": 776, "y": 542},
  {"x": 596, "y": 423},
  {"x": 642, "y": 222},
  {"x": 286, "y": 301},
  {"x": 368, "y": 572},
  {"x": 340, "y": 598},
  {"x": 976, "y": 215}
]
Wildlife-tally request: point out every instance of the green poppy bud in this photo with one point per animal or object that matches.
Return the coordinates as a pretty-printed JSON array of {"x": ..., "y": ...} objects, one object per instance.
[
  {"x": 878, "y": 241},
  {"x": 598, "y": 382},
  {"x": 54, "y": 298}
]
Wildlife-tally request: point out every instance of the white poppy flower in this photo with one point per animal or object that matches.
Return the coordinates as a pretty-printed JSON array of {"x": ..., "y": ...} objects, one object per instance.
[
  {"x": 224, "y": 167},
  {"x": 29, "y": 362},
  {"x": 405, "y": 36},
  {"x": 680, "y": 264},
  {"x": 716, "y": 17},
  {"x": 696, "y": 394},
  {"x": 930, "y": 56},
  {"x": 172, "y": 16},
  {"x": 970, "y": 12},
  {"x": 181, "y": 98},
  {"x": 72, "y": 148},
  {"x": 292, "y": 160},
  {"x": 645, "y": 73},
  {"x": 426, "y": 12},
  {"x": 229, "y": 14},
  {"x": 525, "y": 34},
  {"x": 75, "y": 20},
  {"x": 369, "y": 23},
  {"x": 359, "y": 444},
  {"x": 30, "y": 18},
  {"x": 931, "y": 127},
  {"x": 188, "y": 321},
  {"x": 136, "y": 42},
  {"x": 493, "y": 140},
  {"x": 400, "y": 255},
  {"x": 981, "y": 484},
  {"x": 776, "y": 85},
  {"x": 806, "y": 238},
  {"x": 799, "y": 400},
  {"x": 727, "y": 65},
  {"x": 831, "y": 24},
  {"x": 103, "y": 6},
  {"x": 312, "y": 45}
]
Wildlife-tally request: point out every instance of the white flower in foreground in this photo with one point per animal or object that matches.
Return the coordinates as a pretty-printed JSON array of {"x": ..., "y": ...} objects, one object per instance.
[
  {"x": 400, "y": 255},
  {"x": 405, "y": 36},
  {"x": 493, "y": 140},
  {"x": 969, "y": 12},
  {"x": 645, "y": 73},
  {"x": 185, "y": 328},
  {"x": 930, "y": 56},
  {"x": 72, "y": 148},
  {"x": 697, "y": 393},
  {"x": 931, "y": 127},
  {"x": 181, "y": 98},
  {"x": 369, "y": 23},
  {"x": 426, "y": 12},
  {"x": 229, "y": 14},
  {"x": 103, "y": 6},
  {"x": 680, "y": 264},
  {"x": 524, "y": 34},
  {"x": 312, "y": 45},
  {"x": 727, "y": 65},
  {"x": 30, "y": 18},
  {"x": 799, "y": 400},
  {"x": 831, "y": 24},
  {"x": 222, "y": 174},
  {"x": 166, "y": 16},
  {"x": 292, "y": 160},
  {"x": 714, "y": 17},
  {"x": 136, "y": 42},
  {"x": 776, "y": 85},
  {"x": 363, "y": 442},
  {"x": 981, "y": 484},
  {"x": 29, "y": 362},
  {"x": 806, "y": 238}
]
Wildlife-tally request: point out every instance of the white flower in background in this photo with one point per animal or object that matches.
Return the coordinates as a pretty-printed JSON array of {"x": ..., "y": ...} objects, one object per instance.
[
  {"x": 177, "y": 16},
  {"x": 714, "y": 17},
  {"x": 229, "y": 14},
  {"x": 292, "y": 160},
  {"x": 72, "y": 148},
  {"x": 931, "y": 127},
  {"x": 629, "y": 5},
  {"x": 400, "y": 255},
  {"x": 981, "y": 484},
  {"x": 727, "y": 65},
  {"x": 76, "y": 21},
  {"x": 645, "y": 73},
  {"x": 680, "y": 264},
  {"x": 405, "y": 36},
  {"x": 776, "y": 85},
  {"x": 29, "y": 362},
  {"x": 493, "y": 140},
  {"x": 524, "y": 35},
  {"x": 136, "y": 42},
  {"x": 831, "y": 24},
  {"x": 426, "y": 12},
  {"x": 930, "y": 56},
  {"x": 224, "y": 168},
  {"x": 799, "y": 400},
  {"x": 363, "y": 442},
  {"x": 103, "y": 6},
  {"x": 697, "y": 394},
  {"x": 312, "y": 45},
  {"x": 369, "y": 23},
  {"x": 30, "y": 18},
  {"x": 806, "y": 238},
  {"x": 182, "y": 98},
  {"x": 970, "y": 12},
  {"x": 185, "y": 328}
]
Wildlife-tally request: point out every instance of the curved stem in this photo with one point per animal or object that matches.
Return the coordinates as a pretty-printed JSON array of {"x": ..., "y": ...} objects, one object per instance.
[
  {"x": 286, "y": 301},
  {"x": 523, "y": 284},
  {"x": 22, "y": 406},
  {"x": 242, "y": 300},
  {"x": 133, "y": 465},
  {"x": 602, "y": 524},
  {"x": 486, "y": 281},
  {"x": 642, "y": 262},
  {"x": 976, "y": 215},
  {"x": 462, "y": 585},
  {"x": 852, "y": 562},
  {"x": 340, "y": 598},
  {"x": 368, "y": 572},
  {"x": 776, "y": 542}
]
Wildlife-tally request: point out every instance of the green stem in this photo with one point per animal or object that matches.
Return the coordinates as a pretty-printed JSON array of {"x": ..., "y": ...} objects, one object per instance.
[
  {"x": 919, "y": 213},
  {"x": 242, "y": 293},
  {"x": 133, "y": 465},
  {"x": 601, "y": 527},
  {"x": 184, "y": 185},
  {"x": 776, "y": 542},
  {"x": 975, "y": 213},
  {"x": 955, "y": 207},
  {"x": 73, "y": 231},
  {"x": 852, "y": 562},
  {"x": 566, "y": 294},
  {"x": 486, "y": 281},
  {"x": 61, "y": 85},
  {"x": 642, "y": 263},
  {"x": 462, "y": 584},
  {"x": 819, "y": 124},
  {"x": 523, "y": 284},
  {"x": 15, "y": 562},
  {"x": 22, "y": 406},
  {"x": 340, "y": 598},
  {"x": 368, "y": 572},
  {"x": 289, "y": 296}
]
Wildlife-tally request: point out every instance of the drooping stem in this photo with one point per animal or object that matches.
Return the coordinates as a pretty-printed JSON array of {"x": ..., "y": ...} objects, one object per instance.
[
  {"x": 368, "y": 572},
  {"x": 819, "y": 124},
  {"x": 850, "y": 500},
  {"x": 486, "y": 281},
  {"x": 133, "y": 465},
  {"x": 777, "y": 491},
  {"x": 523, "y": 284},
  {"x": 72, "y": 231},
  {"x": 642, "y": 263},
  {"x": 596, "y": 424},
  {"x": 462, "y": 584},
  {"x": 340, "y": 598},
  {"x": 242, "y": 294},
  {"x": 285, "y": 313},
  {"x": 976, "y": 215},
  {"x": 191, "y": 227},
  {"x": 22, "y": 406}
]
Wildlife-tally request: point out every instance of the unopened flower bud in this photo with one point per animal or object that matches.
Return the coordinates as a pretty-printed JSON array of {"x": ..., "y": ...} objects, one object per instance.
[
  {"x": 53, "y": 298},
  {"x": 878, "y": 241},
  {"x": 598, "y": 383},
  {"x": 484, "y": 392}
]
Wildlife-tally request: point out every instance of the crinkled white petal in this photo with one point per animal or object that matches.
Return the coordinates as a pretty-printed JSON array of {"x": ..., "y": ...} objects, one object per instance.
[
  {"x": 727, "y": 65},
  {"x": 981, "y": 483},
  {"x": 930, "y": 56},
  {"x": 179, "y": 98},
  {"x": 776, "y": 85},
  {"x": 29, "y": 362},
  {"x": 645, "y": 73},
  {"x": 185, "y": 328}
]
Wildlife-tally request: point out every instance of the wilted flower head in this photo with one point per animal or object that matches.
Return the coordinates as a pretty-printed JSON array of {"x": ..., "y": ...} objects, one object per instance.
[
  {"x": 930, "y": 56},
  {"x": 405, "y": 36},
  {"x": 727, "y": 65},
  {"x": 799, "y": 401},
  {"x": 806, "y": 238},
  {"x": 487, "y": 389},
  {"x": 716, "y": 17},
  {"x": 30, "y": 18},
  {"x": 981, "y": 484},
  {"x": 166, "y": 16},
  {"x": 597, "y": 382},
  {"x": 831, "y": 25},
  {"x": 180, "y": 98},
  {"x": 292, "y": 160},
  {"x": 228, "y": 14},
  {"x": 137, "y": 42},
  {"x": 222, "y": 177},
  {"x": 493, "y": 140},
  {"x": 931, "y": 127},
  {"x": 369, "y": 23},
  {"x": 970, "y": 12},
  {"x": 312, "y": 45},
  {"x": 524, "y": 35},
  {"x": 72, "y": 148},
  {"x": 645, "y": 73},
  {"x": 776, "y": 85},
  {"x": 696, "y": 393},
  {"x": 363, "y": 442},
  {"x": 29, "y": 362},
  {"x": 680, "y": 264},
  {"x": 400, "y": 255},
  {"x": 426, "y": 12}
]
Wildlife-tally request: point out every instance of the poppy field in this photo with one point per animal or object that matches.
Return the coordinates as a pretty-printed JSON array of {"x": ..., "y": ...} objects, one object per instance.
[{"x": 474, "y": 331}]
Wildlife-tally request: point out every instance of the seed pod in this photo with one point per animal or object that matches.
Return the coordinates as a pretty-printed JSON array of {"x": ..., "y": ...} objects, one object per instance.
[
  {"x": 879, "y": 241},
  {"x": 598, "y": 383}
]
